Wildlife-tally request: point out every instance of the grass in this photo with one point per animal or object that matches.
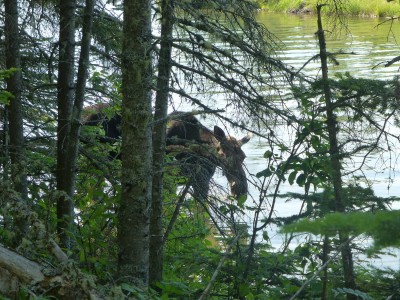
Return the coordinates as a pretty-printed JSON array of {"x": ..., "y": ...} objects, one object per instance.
[{"x": 370, "y": 8}]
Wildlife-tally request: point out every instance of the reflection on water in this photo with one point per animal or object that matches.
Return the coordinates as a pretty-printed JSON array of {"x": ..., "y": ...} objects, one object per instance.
[
  {"x": 366, "y": 46},
  {"x": 369, "y": 43}
]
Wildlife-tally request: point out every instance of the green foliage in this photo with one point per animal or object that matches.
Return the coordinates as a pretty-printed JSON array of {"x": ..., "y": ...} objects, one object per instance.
[
  {"x": 382, "y": 226},
  {"x": 318, "y": 204},
  {"x": 174, "y": 288},
  {"x": 357, "y": 293},
  {"x": 133, "y": 292},
  {"x": 355, "y": 101},
  {"x": 97, "y": 200},
  {"x": 367, "y": 94},
  {"x": 219, "y": 5},
  {"x": 110, "y": 84},
  {"x": 377, "y": 8},
  {"x": 379, "y": 283},
  {"x": 282, "y": 6},
  {"x": 6, "y": 96},
  {"x": 313, "y": 170}
]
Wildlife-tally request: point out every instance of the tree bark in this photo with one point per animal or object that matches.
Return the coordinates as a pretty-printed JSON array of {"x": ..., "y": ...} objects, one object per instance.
[
  {"x": 65, "y": 98},
  {"x": 73, "y": 138},
  {"x": 347, "y": 259},
  {"x": 15, "y": 115},
  {"x": 159, "y": 135},
  {"x": 135, "y": 205}
]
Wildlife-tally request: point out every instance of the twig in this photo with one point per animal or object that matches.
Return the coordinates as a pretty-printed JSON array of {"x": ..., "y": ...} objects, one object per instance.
[
  {"x": 321, "y": 268},
  {"x": 176, "y": 213},
  {"x": 215, "y": 274}
]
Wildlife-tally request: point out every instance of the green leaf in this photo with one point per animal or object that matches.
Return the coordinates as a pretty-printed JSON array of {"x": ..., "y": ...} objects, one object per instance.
[
  {"x": 268, "y": 154},
  {"x": 303, "y": 263},
  {"x": 292, "y": 177},
  {"x": 264, "y": 173},
  {"x": 137, "y": 293},
  {"x": 301, "y": 179},
  {"x": 174, "y": 287},
  {"x": 241, "y": 200},
  {"x": 250, "y": 296},
  {"x": 244, "y": 289},
  {"x": 315, "y": 142},
  {"x": 283, "y": 147}
]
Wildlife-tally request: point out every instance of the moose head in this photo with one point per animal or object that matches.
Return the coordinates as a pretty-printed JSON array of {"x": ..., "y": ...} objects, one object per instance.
[
  {"x": 232, "y": 157},
  {"x": 218, "y": 149}
]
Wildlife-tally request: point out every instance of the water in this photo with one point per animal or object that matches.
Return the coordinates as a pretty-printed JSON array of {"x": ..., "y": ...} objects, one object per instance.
[
  {"x": 372, "y": 40},
  {"x": 368, "y": 45},
  {"x": 367, "y": 48}
]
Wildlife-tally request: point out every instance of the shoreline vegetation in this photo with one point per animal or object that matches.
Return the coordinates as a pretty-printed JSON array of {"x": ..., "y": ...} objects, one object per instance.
[{"x": 362, "y": 8}]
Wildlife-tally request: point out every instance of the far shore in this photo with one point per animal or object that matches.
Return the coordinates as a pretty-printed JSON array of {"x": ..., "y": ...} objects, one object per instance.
[{"x": 362, "y": 8}]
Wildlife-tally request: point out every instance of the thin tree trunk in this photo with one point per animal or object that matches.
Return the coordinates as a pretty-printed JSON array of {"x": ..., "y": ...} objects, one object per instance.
[
  {"x": 134, "y": 210},
  {"x": 73, "y": 142},
  {"x": 324, "y": 277},
  {"x": 159, "y": 133},
  {"x": 15, "y": 115},
  {"x": 72, "y": 137},
  {"x": 175, "y": 214},
  {"x": 65, "y": 98},
  {"x": 347, "y": 259},
  {"x": 5, "y": 154}
]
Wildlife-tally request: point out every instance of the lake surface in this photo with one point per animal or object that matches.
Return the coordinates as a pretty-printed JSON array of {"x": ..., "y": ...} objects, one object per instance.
[
  {"x": 372, "y": 40},
  {"x": 371, "y": 47},
  {"x": 370, "y": 43}
]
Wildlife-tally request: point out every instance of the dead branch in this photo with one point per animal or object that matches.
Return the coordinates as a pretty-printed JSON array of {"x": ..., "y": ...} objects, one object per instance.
[
  {"x": 17, "y": 271},
  {"x": 25, "y": 270}
]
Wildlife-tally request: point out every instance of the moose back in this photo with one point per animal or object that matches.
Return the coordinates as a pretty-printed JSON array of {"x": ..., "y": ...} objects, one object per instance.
[{"x": 201, "y": 150}]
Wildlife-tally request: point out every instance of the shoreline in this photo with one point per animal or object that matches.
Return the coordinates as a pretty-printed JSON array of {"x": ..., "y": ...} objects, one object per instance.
[{"x": 353, "y": 8}]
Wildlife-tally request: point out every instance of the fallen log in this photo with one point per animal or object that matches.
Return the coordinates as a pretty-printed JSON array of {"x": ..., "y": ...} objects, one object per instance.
[{"x": 19, "y": 273}]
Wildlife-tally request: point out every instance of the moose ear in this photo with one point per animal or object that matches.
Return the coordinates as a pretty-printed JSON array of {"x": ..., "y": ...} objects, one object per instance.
[
  {"x": 219, "y": 133},
  {"x": 246, "y": 138}
]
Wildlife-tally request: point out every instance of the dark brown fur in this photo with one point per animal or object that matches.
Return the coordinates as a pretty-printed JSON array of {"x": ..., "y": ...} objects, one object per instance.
[
  {"x": 226, "y": 152},
  {"x": 215, "y": 148}
]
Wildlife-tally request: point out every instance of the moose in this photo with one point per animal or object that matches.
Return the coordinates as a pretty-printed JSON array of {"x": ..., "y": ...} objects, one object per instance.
[{"x": 200, "y": 150}]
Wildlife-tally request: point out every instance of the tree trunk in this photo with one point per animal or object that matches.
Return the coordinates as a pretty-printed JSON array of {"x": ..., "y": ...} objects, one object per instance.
[
  {"x": 159, "y": 133},
  {"x": 15, "y": 116},
  {"x": 65, "y": 98},
  {"x": 73, "y": 138},
  {"x": 134, "y": 210},
  {"x": 324, "y": 277},
  {"x": 347, "y": 259}
]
